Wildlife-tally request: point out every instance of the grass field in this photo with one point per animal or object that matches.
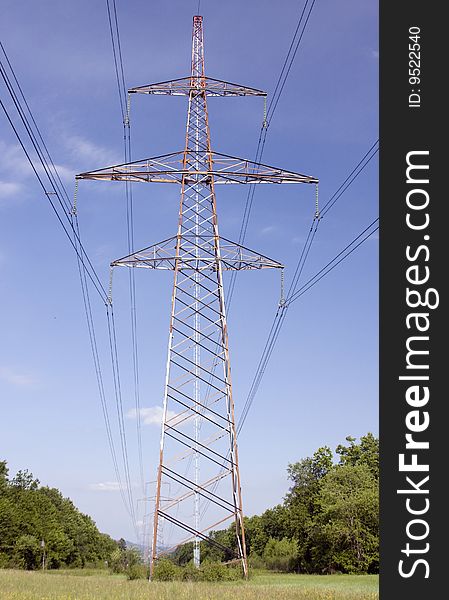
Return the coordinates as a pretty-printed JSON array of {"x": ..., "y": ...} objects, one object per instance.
[{"x": 97, "y": 585}]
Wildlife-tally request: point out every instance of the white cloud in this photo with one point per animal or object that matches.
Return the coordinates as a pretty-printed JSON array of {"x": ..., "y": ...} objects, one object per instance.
[
  {"x": 83, "y": 151},
  {"x": 9, "y": 189},
  {"x": 66, "y": 173},
  {"x": 13, "y": 377},
  {"x": 297, "y": 239},
  {"x": 267, "y": 230},
  {"x": 375, "y": 54},
  {"x": 105, "y": 486},
  {"x": 16, "y": 165},
  {"x": 14, "y": 160},
  {"x": 152, "y": 415}
]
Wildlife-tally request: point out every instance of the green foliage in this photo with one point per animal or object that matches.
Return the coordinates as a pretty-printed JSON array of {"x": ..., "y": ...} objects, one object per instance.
[
  {"x": 24, "y": 480},
  {"x": 116, "y": 562},
  {"x": 137, "y": 571},
  {"x": 216, "y": 571},
  {"x": 281, "y": 555},
  {"x": 209, "y": 571},
  {"x": 190, "y": 573},
  {"x": 166, "y": 570},
  {"x": 327, "y": 523},
  {"x": 365, "y": 453},
  {"x": 126, "y": 560},
  {"x": 183, "y": 554},
  {"x": 30, "y": 513},
  {"x": 349, "y": 520},
  {"x": 27, "y": 552}
]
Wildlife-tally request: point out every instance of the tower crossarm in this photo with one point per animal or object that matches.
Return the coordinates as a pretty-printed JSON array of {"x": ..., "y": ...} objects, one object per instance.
[
  {"x": 233, "y": 256},
  {"x": 175, "y": 168},
  {"x": 208, "y": 85}
]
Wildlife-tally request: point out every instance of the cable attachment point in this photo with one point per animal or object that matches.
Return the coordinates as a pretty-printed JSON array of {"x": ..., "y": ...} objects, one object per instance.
[
  {"x": 282, "y": 296},
  {"x": 317, "y": 206},
  {"x": 264, "y": 121},
  {"x": 111, "y": 270},
  {"x": 75, "y": 197},
  {"x": 128, "y": 110}
]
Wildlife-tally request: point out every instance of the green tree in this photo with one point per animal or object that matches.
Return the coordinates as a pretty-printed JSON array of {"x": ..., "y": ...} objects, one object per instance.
[
  {"x": 27, "y": 552},
  {"x": 364, "y": 453},
  {"x": 183, "y": 554},
  {"x": 346, "y": 528},
  {"x": 281, "y": 555},
  {"x": 25, "y": 480},
  {"x": 29, "y": 512},
  {"x": 3, "y": 474},
  {"x": 301, "y": 502}
]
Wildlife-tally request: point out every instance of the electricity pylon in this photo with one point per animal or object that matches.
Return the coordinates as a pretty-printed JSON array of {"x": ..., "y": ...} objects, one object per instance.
[{"x": 198, "y": 447}]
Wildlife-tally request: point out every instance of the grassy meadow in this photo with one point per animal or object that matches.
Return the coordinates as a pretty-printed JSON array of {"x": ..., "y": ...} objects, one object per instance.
[{"x": 99, "y": 585}]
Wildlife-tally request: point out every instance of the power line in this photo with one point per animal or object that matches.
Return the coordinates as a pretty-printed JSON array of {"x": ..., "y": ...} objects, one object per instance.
[
  {"x": 55, "y": 182},
  {"x": 330, "y": 266},
  {"x": 281, "y": 312},
  {"x": 275, "y": 100},
  {"x": 119, "y": 407},
  {"x": 116, "y": 50},
  {"x": 291, "y": 296},
  {"x": 55, "y": 172},
  {"x": 72, "y": 231},
  {"x": 279, "y": 87},
  {"x": 360, "y": 166},
  {"x": 98, "y": 373},
  {"x": 282, "y": 78},
  {"x": 281, "y": 315},
  {"x": 125, "y": 110}
]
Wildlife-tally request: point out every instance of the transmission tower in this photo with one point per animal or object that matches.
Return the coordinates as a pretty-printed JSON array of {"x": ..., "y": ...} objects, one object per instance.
[{"x": 198, "y": 448}]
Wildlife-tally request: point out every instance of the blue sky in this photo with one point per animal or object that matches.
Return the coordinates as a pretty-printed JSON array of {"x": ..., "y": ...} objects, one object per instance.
[{"x": 321, "y": 384}]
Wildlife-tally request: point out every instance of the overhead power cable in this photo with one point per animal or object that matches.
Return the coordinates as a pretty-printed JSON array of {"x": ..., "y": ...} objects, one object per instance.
[
  {"x": 125, "y": 109},
  {"x": 360, "y": 166},
  {"x": 341, "y": 256},
  {"x": 119, "y": 406},
  {"x": 294, "y": 293},
  {"x": 293, "y": 290},
  {"x": 282, "y": 313},
  {"x": 295, "y": 43},
  {"x": 44, "y": 168},
  {"x": 280, "y": 83},
  {"x": 99, "y": 376}
]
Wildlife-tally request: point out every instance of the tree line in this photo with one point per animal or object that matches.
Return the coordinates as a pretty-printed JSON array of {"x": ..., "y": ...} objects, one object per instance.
[
  {"x": 38, "y": 526},
  {"x": 327, "y": 523}
]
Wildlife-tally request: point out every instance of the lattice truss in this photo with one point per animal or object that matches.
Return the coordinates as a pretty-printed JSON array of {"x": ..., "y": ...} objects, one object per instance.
[{"x": 198, "y": 460}]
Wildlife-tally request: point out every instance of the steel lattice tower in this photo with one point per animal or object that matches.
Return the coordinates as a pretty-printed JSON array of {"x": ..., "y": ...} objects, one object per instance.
[{"x": 198, "y": 447}]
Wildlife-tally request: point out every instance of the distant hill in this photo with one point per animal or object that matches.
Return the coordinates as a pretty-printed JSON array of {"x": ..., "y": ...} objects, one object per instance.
[{"x": 136, "y": 546}]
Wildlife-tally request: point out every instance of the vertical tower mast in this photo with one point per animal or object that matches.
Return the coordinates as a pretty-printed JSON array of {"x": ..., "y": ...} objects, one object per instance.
[
  {"x": 198, "y": 236},
  {"x": 198, "y": 423}
]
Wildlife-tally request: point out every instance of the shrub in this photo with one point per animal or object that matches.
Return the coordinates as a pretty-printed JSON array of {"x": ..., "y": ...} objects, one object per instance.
[
  {"x": 281, "y": 555},
  {"x": 216, "y": 571},
  {"x": 255, "y": 561},
  {"x": 190, "y": 573},
  {"x": 212, "y": 571},
  {"x": 136, "y": 571},
  {"x": 116, "y": 561},
  {"x": 165, "y": 570}
]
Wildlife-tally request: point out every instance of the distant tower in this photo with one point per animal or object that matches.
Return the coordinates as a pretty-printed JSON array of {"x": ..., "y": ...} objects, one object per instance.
[{"x": 198, "y": 448}]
